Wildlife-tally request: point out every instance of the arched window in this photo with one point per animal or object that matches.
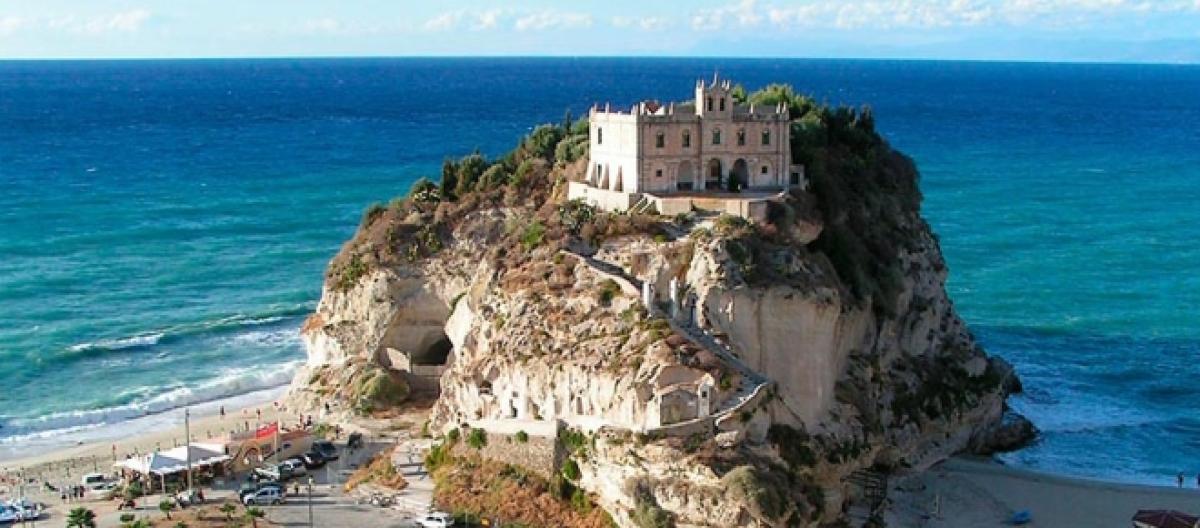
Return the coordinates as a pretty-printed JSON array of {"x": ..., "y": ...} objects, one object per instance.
[
  {"x": 766, "y": 137},
  {"x": 660, "y": 140},
  {"x": 687, "y": 139},
  {"x": 599, "y": 135},
  {"x": 716, "y": 136},
  {"x": 741, "y": 137}
]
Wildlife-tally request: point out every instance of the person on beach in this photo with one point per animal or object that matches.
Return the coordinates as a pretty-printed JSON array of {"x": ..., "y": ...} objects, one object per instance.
[
  {"x": 1179, "y": 479},
  {"x": 222, "y": 412}
]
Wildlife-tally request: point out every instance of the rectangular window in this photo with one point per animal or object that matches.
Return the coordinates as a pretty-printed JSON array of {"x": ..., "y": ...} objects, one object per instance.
[
  {"x": 708, "y": 104},
  {"x": 722, "y": 104},
  {"x": 741, "y": 138},
  {"x": 660, "y": 140},
  {"x": 764, "y": 169},
  {"x": 687, "y": 139},
  {"x": 658, "y": 173},
  {"x": 766, "y": 137},
  {"x": 716, "y": 137},
  {"x": 599, "y": 135}
]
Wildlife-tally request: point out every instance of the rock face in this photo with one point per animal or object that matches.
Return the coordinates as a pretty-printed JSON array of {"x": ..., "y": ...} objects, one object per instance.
[{"x": 726, "y": 374}]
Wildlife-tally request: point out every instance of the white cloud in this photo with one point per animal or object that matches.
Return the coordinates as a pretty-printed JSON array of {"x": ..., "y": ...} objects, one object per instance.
[
  {"x": 10, "y": 24},
  {"x": 490, "y": 18},
  {"x": 643, "y": 23},
  {"x": 744, "y": 14},
  {"x": 322, "y": 25},
  {"x": 445, "y": 21},
  {"x": 124, "y": 22},
  {"x": 922, "y": 14},
  {"x": 552, "y": 20},
  {"x": 475, "y": 21}
]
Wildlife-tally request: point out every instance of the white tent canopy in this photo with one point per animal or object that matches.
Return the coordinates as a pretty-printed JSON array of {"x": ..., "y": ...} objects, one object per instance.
[{"x": 175, "y": 460}]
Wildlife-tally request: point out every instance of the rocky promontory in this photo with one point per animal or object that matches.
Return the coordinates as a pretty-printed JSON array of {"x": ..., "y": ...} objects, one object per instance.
[{"x": 695, "y": 370}]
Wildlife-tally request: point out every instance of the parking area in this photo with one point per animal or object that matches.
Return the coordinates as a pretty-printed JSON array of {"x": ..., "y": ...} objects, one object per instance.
[{"x": 328, "y": 505}]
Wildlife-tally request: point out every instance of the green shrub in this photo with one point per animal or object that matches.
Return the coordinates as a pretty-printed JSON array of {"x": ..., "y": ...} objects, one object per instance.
[
  {"x": 452, "y": 436},
  {"x": 560, "y": 487},
  {"x": 542, "y": 141},
  {"x": 533, "y": 235},
  {"x": 762, "y": 491},
  {"x": 570, "y": 470},
  {"x": 492, "y": 178},
  {"x": 574, "y": 214},
  {"x": 81, "y": 518},
  {"x": 522, "y": 437},
  {"x": 424, "y": 191},
  {"x": 793, "y": 446},
  {"x": 648, "y": 514},
  {"x": 477, "y": 438},
  {"x": 165, "y": 506},
  {"x": 607, "y": 291},
  {"x": 351, "y": 272},
  {"x": 437, "y": 456},
  {"x": 373, "y": 212},
  {"x": 580, "y": 502},
  {"x": 574, "y": 440},
  {"x": 468, "y": 173}
]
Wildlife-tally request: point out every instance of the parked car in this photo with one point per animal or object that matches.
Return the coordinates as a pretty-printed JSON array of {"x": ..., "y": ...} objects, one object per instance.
[
  {"x": 293, "y": 467},
  {"x": 266, "y": 473},
  {"x": 95, "y": 481},
  {"x": 313, "y": 460},
  {"x": 326, "y": 449},
  {"x": 264, "y": 496},
  {"x": 436, "y": 520},
  {"x": 251, "y": 488},
  {"x": 9, "y": 514}
]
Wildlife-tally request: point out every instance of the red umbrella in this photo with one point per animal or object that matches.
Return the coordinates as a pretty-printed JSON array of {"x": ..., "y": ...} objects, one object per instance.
[{"x": 1164, "y": 519}]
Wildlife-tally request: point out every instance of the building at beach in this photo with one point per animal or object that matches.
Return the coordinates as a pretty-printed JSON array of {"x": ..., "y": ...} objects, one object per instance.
[{"x": 709, "y": 153}]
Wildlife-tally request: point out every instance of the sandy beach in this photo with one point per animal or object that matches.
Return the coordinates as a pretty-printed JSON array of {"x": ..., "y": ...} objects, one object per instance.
[
  {"x": 979, "y": 492},
  {"x": 66, "y": 466}
]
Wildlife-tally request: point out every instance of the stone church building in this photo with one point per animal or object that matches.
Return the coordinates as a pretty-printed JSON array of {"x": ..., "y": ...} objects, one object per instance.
[{"x": 708, "y": 146}]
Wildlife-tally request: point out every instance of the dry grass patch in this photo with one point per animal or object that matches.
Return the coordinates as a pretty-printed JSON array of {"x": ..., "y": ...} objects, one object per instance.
[{"x": 380, "y": 472}]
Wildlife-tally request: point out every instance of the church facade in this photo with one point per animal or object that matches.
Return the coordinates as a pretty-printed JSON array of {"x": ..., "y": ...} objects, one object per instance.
[{"x": 711, "y": 144}]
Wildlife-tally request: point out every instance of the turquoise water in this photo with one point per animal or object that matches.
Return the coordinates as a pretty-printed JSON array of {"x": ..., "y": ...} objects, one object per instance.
[{"x": 165, "y": 225}]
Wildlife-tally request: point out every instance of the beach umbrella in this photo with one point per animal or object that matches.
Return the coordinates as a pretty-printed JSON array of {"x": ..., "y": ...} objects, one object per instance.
[{"x": 1164, "y": 519}]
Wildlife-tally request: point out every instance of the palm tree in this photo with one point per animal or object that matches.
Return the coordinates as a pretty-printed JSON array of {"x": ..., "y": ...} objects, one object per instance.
[
  {"x": 254, "y": 514},
  {"x": 165, "y": 506},
  {"x": 228, "y": 510},
  {"x": 81, "y": 518}
]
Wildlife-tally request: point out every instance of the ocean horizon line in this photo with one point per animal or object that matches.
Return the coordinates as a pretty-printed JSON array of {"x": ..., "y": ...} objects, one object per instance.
[{"x": 697, "y": 57}]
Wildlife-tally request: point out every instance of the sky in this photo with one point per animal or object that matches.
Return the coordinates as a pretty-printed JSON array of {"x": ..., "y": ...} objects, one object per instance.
[{"x": 1033, "y": 30}]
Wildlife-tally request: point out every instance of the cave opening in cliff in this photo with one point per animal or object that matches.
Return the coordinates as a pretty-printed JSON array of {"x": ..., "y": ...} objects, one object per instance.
[{"x": 437, "y": 352}]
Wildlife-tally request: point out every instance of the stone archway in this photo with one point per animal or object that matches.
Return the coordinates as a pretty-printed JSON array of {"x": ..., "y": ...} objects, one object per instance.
[
  {"x": 685, "y": 178},
  {"x": 712, "y": 176},
  {"x": 739, "y": 176}
]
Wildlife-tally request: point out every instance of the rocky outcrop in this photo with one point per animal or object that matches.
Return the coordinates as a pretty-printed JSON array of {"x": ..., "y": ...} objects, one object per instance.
[{"x": 723, "y": 374}]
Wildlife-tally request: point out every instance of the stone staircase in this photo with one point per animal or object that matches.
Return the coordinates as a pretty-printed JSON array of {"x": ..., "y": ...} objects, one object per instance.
[
  {"x": 753, "y": 385},
  {"x": 642, "y": 206}
]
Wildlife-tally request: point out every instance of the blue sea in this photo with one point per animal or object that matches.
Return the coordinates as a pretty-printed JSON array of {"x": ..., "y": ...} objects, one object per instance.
[{"x": 164, "y": 225}]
